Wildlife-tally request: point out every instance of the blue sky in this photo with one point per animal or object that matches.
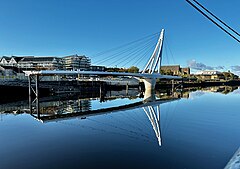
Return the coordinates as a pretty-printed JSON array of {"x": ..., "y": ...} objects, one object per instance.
[{"x": 64, "y": 27}]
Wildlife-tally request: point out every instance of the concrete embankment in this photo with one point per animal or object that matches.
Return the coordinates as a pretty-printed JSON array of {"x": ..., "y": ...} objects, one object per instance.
[{"x": 234, "y": 163}]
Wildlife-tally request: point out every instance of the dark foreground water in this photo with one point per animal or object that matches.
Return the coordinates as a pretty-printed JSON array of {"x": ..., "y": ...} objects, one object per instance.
[{"x": 200, "y": 130}]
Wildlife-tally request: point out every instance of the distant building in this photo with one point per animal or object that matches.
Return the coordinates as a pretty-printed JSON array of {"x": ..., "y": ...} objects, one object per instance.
[
  {"x": 210, "y": 75},
  {"x": 185, "y": 71},
  {"x": 5, "y": 60},
  {"x": 11, "y": 61},
  {"x": 97, "y": 68},
  {"x": 14, "y": 60},
  {"x": 75, "y": 62},
  {"x": 176, "y": 70},
  {"x": 72, "y": 62},
  {"x": 40, "y": 63}
]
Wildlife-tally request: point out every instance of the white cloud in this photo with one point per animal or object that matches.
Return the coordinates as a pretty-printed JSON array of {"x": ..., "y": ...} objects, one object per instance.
[
  {"x": 235, "y": 69},
  {"x": 201, "y": 66}
]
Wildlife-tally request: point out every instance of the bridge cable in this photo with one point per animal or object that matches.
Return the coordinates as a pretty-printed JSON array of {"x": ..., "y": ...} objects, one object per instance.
[
  {"x": 120, "y": 128},
  {"x": 104, "y": 131},
  {"x": 216, "y": 17},
  {"x": 144, "y": 55},
  {"x": 166, "y": 53},
  {"x": 223, "y": 29},
  {"x": 134, "y": 54},
  {"x": 127, "y": 44},
  {"x": 139, "y": 128},
  {"x": 112, "y": 56},
  {"x": 136, "y": 50},
  {"x": 168, "y": 47}
]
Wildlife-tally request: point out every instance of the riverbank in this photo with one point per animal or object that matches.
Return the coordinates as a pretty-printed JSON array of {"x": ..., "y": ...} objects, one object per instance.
[
  {"x": 185, "y": 84},
  {"x": 20, "y": 88}
]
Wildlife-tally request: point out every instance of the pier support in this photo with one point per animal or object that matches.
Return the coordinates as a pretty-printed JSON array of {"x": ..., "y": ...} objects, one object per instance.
[
  {"x": 149, "y": 93},
  {"x": 127, "y": 89},
  {"x": 149, "y": 83},
  {"x": 33, "y": 88},
  {"x": 102, "y": 93}
]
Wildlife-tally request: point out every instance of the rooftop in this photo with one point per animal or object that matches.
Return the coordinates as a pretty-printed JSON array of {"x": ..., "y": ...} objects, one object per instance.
[{"x": 37, "y": 59}]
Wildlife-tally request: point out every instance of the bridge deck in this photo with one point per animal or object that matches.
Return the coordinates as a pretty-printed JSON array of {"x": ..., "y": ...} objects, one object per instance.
[{"x": 66, "y": 72}]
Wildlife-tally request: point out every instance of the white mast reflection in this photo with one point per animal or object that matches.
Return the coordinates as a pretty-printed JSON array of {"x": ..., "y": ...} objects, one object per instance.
[{"x": 154, "y": 118}]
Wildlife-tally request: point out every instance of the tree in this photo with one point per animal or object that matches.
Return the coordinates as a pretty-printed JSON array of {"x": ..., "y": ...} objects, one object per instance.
[
  {"x": 166, "y": 72},
  {"x": 133, "y": 69}
]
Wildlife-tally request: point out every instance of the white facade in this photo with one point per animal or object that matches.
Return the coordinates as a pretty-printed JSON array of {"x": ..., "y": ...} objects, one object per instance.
[{"x": 209, "y": 72}]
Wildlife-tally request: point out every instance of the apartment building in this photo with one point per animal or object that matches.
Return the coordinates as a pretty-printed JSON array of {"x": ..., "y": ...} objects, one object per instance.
[
  {"x": 40, "y": 63},
  {"x": 75, "y": 62}
]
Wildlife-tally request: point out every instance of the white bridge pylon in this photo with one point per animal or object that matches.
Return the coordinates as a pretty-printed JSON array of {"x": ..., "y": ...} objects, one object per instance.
[
  {"x": 156, "y": 58},
  {"x": 153, "y": 67},
  {"x": 154, "y": 117}
]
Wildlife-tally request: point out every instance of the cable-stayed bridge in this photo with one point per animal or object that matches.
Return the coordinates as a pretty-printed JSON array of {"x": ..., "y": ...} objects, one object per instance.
[
  {"x": 150, "y": 73},
  {"x": 149, "y": 105}
]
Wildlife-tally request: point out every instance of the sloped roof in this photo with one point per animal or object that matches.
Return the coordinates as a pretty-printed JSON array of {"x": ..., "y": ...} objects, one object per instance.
[
  {"x": 6, "y": 58},
  {"x": 71, "y": 56},
  {"x": 37, "y": 59},
  {"x": 17, "y": 58}
]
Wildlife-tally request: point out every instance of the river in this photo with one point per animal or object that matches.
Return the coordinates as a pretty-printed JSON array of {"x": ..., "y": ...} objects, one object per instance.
[{"x": 194, "y": 129}]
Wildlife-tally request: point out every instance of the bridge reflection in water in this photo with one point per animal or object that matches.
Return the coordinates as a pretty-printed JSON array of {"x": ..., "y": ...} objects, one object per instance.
[{"x": 60, "y": 110}]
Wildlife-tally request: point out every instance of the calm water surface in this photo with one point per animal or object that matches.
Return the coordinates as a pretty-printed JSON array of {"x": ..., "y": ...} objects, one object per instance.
[{"x": 200, "y": 130}]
